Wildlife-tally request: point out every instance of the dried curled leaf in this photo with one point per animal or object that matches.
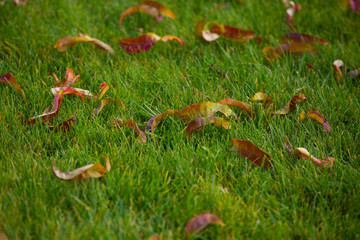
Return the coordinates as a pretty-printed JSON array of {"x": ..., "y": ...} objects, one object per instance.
[
  {"x": 86, "y": 93},
  {"x": 303, "y": 153},
  {"x": 302, "y": 38},
  {"x": 8, "y": 79},
  {"x": 234, "y": 34},
  {"x": 152, "y": 8},
  {"x": 248, "y": 150},
  {"x": 92, "y": 170},
  {"x": 198, "y": 223},
  {"x": 203, "y": 32},
  {"x": 291, "y": 105},
  {"x": 65, "y": 126},
  {"x": 242, "y": 105},
  {"x": 355, "y": 5},
  {"x": 338, "y": 64},
  {"x": 145, "y": 42},
  {"x": 260, "y": 96},
  {"x": 273, "y": 53},
  {"x": 68, "y": 41},
  {"x": 59, "y": 95},
  {"x": 314, "y": 114},
  {"x": 70, "y": 78},
  {"x": 156, "y": 119},
  {"x": 200, "y": 123},
  {"x": 131, "y": 123},
  {"x": 103, "y": 103},
  {"x": 292, "y": 8}
]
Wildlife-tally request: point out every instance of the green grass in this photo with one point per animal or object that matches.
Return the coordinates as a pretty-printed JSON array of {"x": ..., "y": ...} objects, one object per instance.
[{"x": 157, "y": 187}]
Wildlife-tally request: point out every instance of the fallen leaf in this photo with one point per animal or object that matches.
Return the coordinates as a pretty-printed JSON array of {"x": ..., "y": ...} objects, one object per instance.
[
  {"x": 242, "y": 105},
  {"x": 68, "y": 41},
  {"x": 92, "y": 170},
  {"x": 156, "y": 119},
  {"x": 145, "y": 42},
  {"x": 65, "y": 126},
  {"x": 70, "y": 78},
  {"x": 302, "y": 38},
  {"x": 234, "y": 34},
  {"x": 131, "y": 123},
  {"x": 86, "y": 93},
  {"x": 260, "y": 96},
  {"x": 155, "y": 237},
  {"x": 304, "y": 153},
  {"x": 103, "y": 103},
  {"x": 152, "y": 8},
  {"x": 18, "y": 2},
  {"x": 273, "y": 53},
  {"x": 355, "y": 5},
  {"x": 3, "y": 236},
  {"x": 337, "y": 64},
  {"x": 314, "y": 114},
  {"x": 291, "y": 105},
  {"x": 200, "y": 123},
  {"x": 196, "y": 224},
  {"x": 248, "y": 150},
  {"x": 292, "y": 8},
  {"x": 8, "y": 79},
  {"x": 204, "y": 33}
]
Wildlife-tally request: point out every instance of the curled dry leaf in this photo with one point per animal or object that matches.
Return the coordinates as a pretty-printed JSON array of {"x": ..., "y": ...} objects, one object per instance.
[
  {"x": 291, "y": 105},
  {"x": 304, "y": 153},
  {"x": 145, "y": 42},
  {"x": 103, "y": 103},
  {"x": 242, "y": 105},
  {"x": 70, "y": 78},
  {"x": 92, "y": 170},
  {"x": 86, "y": 93},
  {"x": 292, "y": 8},
  {"x": 131, "y": 123},
  {"x": 314, "y": 114},
  {"x": 355, "y": 5},
  {"x": 302, "y": 38},
  {"x": 200, "y": 123},
  {"x": 203, "y": 32},
  {"x": 152, "y": 8},
  {"x": 248, "y": 150},
  {"x": 8, "y": 79},
  {"x": 156, "y": 119},
  {"x": 196, "y": 224},
  {"x": 65, "y": 126},
  {"x": 260, "y": 96},
  {"x": 48, "y": 115},
  {"x": 273, "y": 53},
  {"x": 339, "y": 67},
  {"x": 68, "y": 41}
]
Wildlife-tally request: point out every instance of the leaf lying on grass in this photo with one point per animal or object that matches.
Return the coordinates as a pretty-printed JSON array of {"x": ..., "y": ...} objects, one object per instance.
[
  {"x": 152, "y": 8},
  {"x": 260, "y": 96},
  {"x": 65, "y": 126},
  {"x": 198, "y": 223},
  {"x": 46, "y": 116},
  {"x": 339, "y": 66},
  {"x": 70, "y": 78},
  {"x": 8, "y": 79},
  {"x": 156, "y": 119},
  {"x": 86, "y": 93},
  {"x": 131, "y": 123},
  {"x": 103, "y": 103},
  {"x": 273, "y": 53},
  {"x": 302, "y": 38},
  {"x": 200, "y": 123},
  {"x": 248, "y": 150},
  {"x": 303, "y": 153},
  {"x": 145, "y": 42},
  {"x": 242, "y": 105},
  {"x": 68, "y": 41},
  {"x": 355, "y": 5},
  {"x": 92, "y": 170},
  {"x": 155, "y": 237},
  {"x": 314, "y": 114},
  {"x": 292, "y": 8},
  {"x": 291, "y": 105},
  {"x": 18, "y": 2}
]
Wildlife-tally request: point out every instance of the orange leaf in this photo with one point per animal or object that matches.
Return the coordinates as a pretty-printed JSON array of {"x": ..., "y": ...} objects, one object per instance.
[
  {"x": 314, "y": 114},
  {"x": 291, "y": 105},
  {"x": 273, "y": 53},
  {"x": 234, "y": 34},
  {"x": 260, "y": 96},
  {"x": 145, "y": 42},
  {"x": 131, "y": 123},
  {"x": 68, "y": 41},
  {"x": 200, "y": 123},
  {"x": 70, "y": 78},
  {"x": 196, "y": 224},
  {"x": 302, "y": 38},
  {"x": 8, "y": 79},
  {"x": 152, "y": 8},
  {"x": 243, "y": 105},
  {"x": 103, "y": 103},
  {"x": 248, "y": 150}
]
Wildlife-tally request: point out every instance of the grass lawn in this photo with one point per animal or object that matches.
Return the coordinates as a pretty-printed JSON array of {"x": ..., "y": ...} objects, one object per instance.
[{"x": 156, "y": 187}]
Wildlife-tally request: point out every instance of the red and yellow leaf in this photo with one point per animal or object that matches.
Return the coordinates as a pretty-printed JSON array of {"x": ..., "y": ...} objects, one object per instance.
[
  {"x": 103, "y": 103},
  {"x": 291, "y": 105},
  {"x": 156, "y": 119},
  {"x": 314, "y": 114},
  {"x": 248, "y": 150},
  {"x": 204, "y": 33},
  {"x": 68, "y": 41},
  {"x": 70, "y": 78},
  {"x": 242, "y": 105},
  {"x": 198, "y": 223},
  {"x": 8, "y": 79},
  {"x": 302, "y": 38},
  {"x": 200, "y": 123},
  {"x": 260, "y": 96}
]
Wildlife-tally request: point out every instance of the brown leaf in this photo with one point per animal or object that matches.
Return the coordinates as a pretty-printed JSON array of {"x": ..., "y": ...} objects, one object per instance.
[
  {"x": 242, "y": 105},
  {"x": 234, "y": 34},
  {"x": 302, "y": 38},
  {"x": 314, "y": 114},
  {"x": 131, "y": 123},
  {"x": 291, "y": 105},
  {"x": 92, "y": 170},
  {"x": 145, "y": 42},
  {"x": 273, "y": 53},
  {"x": 260, "y": 96},
  {"x": 292, "y": 8},
  {"x": 248, "y": 150},
  {"x": 103, "y": 103},
  {"x": 8, "y": 79},
  {"x": 204, "y": 33},
  {"x": 152, "y": 8},
  {"x": 196, "y": 224},
  {"x": 64, "y": 126},
  {"x": 156, "y": 119},
  {"x": 200, "y": 123},
  {"x": 68, "y": 41},
  {"x": 3, "y": 236}
]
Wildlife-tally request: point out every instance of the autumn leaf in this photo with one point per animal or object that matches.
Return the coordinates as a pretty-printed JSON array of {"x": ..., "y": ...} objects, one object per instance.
[
  {"x": 260, "y": 96},
  {"x": 203, "y": 32},
  {"x": 155, "y": 237},
  {"x": 65, "y": 126},
  {"x": 248, "y": 150},
  {"x": 198, "y": 223},
  {"x": 302, "y": 38},
  {"x": 242, "y": 105},
  {"x": 18, "y": 2},
  {"x": 86, "y": 93},
  {"x": 292, "y": 8},
  {"x": 291, "y": 105},
  {"x": 339, "y": 68},
  {"x": 355, "y": 5},
  {"x": 273, "y": 53},
  {"x": 103, "y": 103},
  {"x": 304, "y": 153},
  {"x": 156, "y": 119},
  {"x": 314, "y": 114},
  {"x": 234, "y": 34},
  {"x": 131, "y": 123},
  {"x": 145, "y": 42},
  {"x": 200, "y": 123},
  {"x": 8, "y": 79},
  {"x": 3, "y": 236},
  {"x": 70, "y": 78},
  {"x": 152, "y": 8},
  {"x": 68, "y": 41},
  {"x": 92, "y": 170}
]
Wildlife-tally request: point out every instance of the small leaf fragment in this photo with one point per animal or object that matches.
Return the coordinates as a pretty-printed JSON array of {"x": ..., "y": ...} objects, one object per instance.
[
  {"x": 314, "y": 114},
  {"x": 131, "y": 123},
  {"x": 273, "y": 53},
  {"x": 92, "y": 170},
  {"x": 302, "y": 38},
  {"x": 156, "y": 119},
  {"x": 196, "y": 224},
  {"x": 8, "y": 79},
  {"x": 260, "y": 96},
  {"x": 292, "y": 8},
  {"x": 65, "y": 126},
  {"x": 355, "y": 5},
  {"x": 200, "y": 123},
  {"x": 234, "y": 34},
  {"x": 242, "y": 105},
  {"x": 103, "y": 103},
  {"x": 291, "y": 105},
  {"x": 70, "y": 78},
  {"x": 248, "y": 150},
  {"x": 202, "y": 32},
  {"x": 68, "y": 41}
]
